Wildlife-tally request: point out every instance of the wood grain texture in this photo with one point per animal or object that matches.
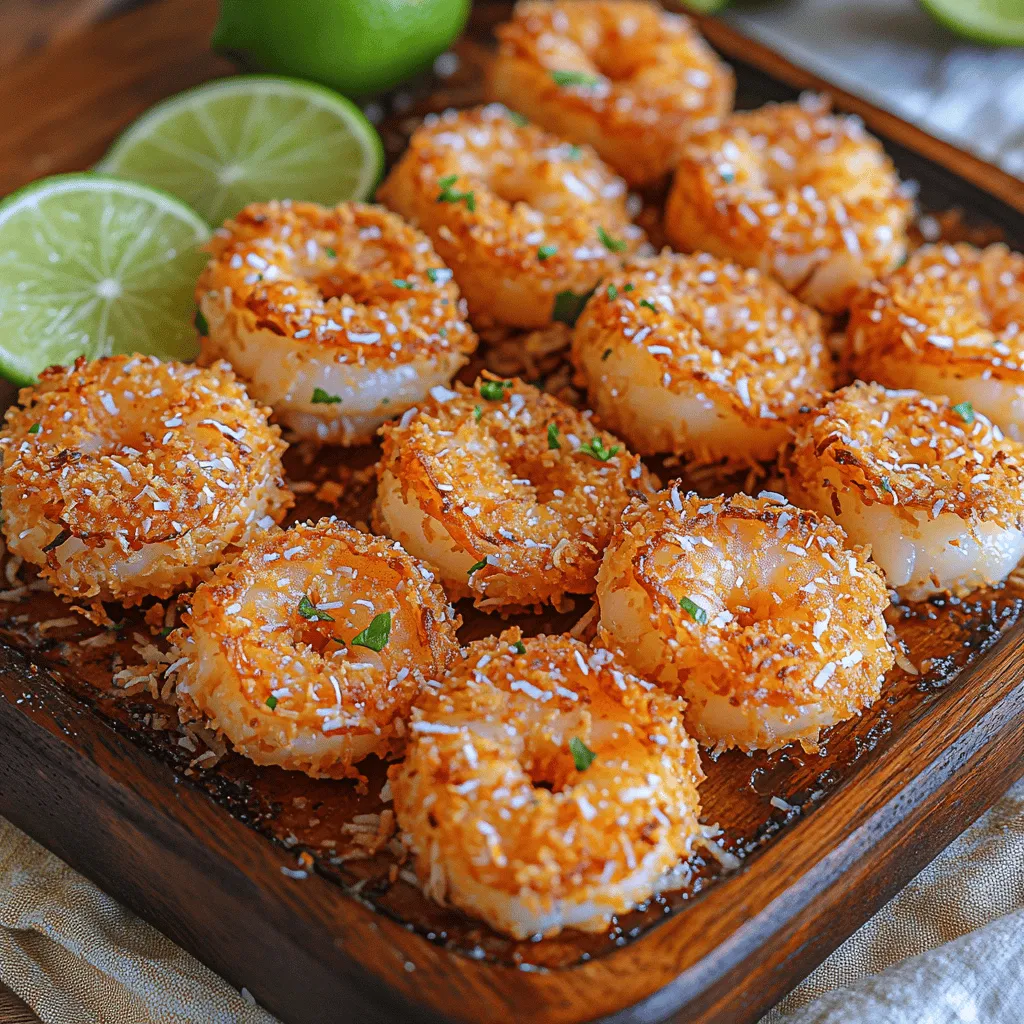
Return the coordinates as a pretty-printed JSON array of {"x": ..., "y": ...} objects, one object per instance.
[
  {"x": 13, "y": 1010},
  {"x": 200, "y": 855}
]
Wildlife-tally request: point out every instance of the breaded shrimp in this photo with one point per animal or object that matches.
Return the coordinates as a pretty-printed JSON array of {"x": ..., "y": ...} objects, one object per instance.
[
  {"x": 545, "y": 787},
  {"x": 519, "y": 215},
  {"x": 511, "y": 494},
  {"x": 308, "y": 649},
  {"x": 338, "y": 318},
  {"x": 806, "y": 197},
  {"x": 935, "y": 489},
  {"x": 627, "y": 78},
  {"x": 696, "y": 356},
  {"x": 127, "y": 477},
  {"x": 753, "y": 610},
  {"x": 950, "y": 322}
]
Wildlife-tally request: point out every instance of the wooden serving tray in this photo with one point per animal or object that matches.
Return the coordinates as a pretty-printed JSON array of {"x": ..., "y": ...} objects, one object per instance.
[{"x": 253, "y": 869}]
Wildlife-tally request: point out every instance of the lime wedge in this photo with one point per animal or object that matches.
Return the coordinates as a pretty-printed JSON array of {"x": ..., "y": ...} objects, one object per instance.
[
  {"x": 247, "y": 139},
  {"x": 1000, "y": 22},
  {"x": 92, "y": 265},
  {"x": 705, "y": 6}
]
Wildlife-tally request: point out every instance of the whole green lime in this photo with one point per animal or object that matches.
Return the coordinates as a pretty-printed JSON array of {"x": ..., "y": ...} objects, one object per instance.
[{"x": 355, "y": 46}]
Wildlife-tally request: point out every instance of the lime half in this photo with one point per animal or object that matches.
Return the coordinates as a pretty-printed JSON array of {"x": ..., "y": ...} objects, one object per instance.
[
  {"x": 1000, "y": 22},
  {"x": 248, "y": 139},
  {"x": 92, "y": 265}
]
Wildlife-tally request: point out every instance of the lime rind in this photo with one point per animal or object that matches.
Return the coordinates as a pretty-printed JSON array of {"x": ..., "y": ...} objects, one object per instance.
[
  {"x": 180, "y": 146},
  {"x": 980, "y": 20},
  {"x": 67, "y": 288}
]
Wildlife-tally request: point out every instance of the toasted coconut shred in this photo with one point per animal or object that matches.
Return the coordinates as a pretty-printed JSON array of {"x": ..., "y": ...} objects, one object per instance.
[
  {"x": 509, "y": 493},
  {"x": 699, "y": 357},
  {"x": 127, "y": 477},
  {"x": 547, "y": 787},
  {"x": 519, "y": 215},
  {"x": 339, "y": 318},
  {"x": 757, "y": 612},
  {"x": 308, "y": 650},
  {"x": 950, "y": 322},
  {"x": 934, "y": 488},
  {"x": 630, "y": 79},
  {"x": 807, "y": 197}
]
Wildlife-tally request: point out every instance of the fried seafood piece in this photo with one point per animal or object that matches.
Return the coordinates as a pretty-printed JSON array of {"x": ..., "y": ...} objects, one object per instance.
[
  {"x": 338, "y": 318},
  {"x": 950, "y": 322},
  {"x": 934, "y": 488},
  {"x": 629, "y": 79},
  {"x": 128, "y": 477},
  {"x": 807, "y": 197},
  {"x": 699, "y": 357},
  {"x": 519, "y": 215},
  {"x": 757, "y": 612},
  {"x": 511, "y": 494},
  {"x": 546, "y": 787},
  {"x": 308, "y": 649}
]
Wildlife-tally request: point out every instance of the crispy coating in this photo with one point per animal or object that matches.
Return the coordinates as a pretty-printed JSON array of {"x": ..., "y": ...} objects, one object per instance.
[
  {"x": 627, "y": 78},
  {"x": 127, "y": 477},
  {"x": 806, "y": 197},
  {"x": 512, "y": 496},
  {"x": 699, "y": 357},
  {"x": 950, "y": 322},
  {"x": 755, "y": 611},
  {"x": 339, "y": 318},
  {"x": 503, "y": 813},
  {"x": 936, "y": 490},
  {"x": 516, "y": 213},
  {"x": 273, "y": 654}
]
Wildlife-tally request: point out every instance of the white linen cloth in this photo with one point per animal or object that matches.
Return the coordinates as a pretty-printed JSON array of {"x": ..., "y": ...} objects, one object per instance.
[{"x": 949, "y": 949}]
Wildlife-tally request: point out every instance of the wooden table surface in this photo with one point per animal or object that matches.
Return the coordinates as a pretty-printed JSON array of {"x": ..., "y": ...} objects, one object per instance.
[{"x": 13, "y": 1010}]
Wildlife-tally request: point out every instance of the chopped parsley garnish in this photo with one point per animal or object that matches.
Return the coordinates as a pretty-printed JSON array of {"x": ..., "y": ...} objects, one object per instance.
[
  {"x": 612, "y": 292},
  {"x": 583, "y": 78},
  {"x": 308, "y": 610},
  {"x": 376, "y": 634},
  {"x": 569, "y": 305},
  {"x": 885, "y": 485},
  {"x": 166, "y": 631},
  {"x": 450, "y": 195},
  {"x": 583, "y": 757},
  {"x": 546, "y": 252},
  {"x": 331, "y": 252},
  {"x": 553, "y": 442},
  {"x": 965, "y": 411},
  {"x": 605, "y": 354},
  {"x": 476, "y": 568},
  {"x": 611, "y": 244},
  {"x": 271, "y": 702},
  {"x": 399, "y": 283},
  {"x": 573, "y": 152},
  {"x": 478, "y": 412},
  {"x": 439, "y": 275},
  {"x": 321, "y": 397},
  {"x": 519, "y": 647},
  {"x": 694, "y": 610},
  {"x": 58, "y": 540},
  {"x": 35, "y": 428},
  {"x": 494, "y": 390},
  {"x": 728, "y": 176},
  {"x": 627, "y": 287},
  {"x": 596, "y": 450},
  {"x": 517, "y": 119},
  {"x": 201, "y": 325},
  {"x": 650, "y": 305}
]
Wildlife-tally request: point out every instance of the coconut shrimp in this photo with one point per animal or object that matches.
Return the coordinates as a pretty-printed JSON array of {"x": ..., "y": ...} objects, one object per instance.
[
  {"x": 950, "y": 322},
  {"x": 511, "y": 494},
  {"x": 545, "y": 787},
  {"x": 806, "y": 197},
  {"x": 696, "y": 356},
  {"x": 127, "y": 477},
  {"x": 934, "y": 488},
  {"x": 519, "y": 215},
  {"x": 338, "y": 318},
  {"x": 627, "y": 78},
  {"x": 308, "y": 649},
  {"x": 755, "y": 611}
]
